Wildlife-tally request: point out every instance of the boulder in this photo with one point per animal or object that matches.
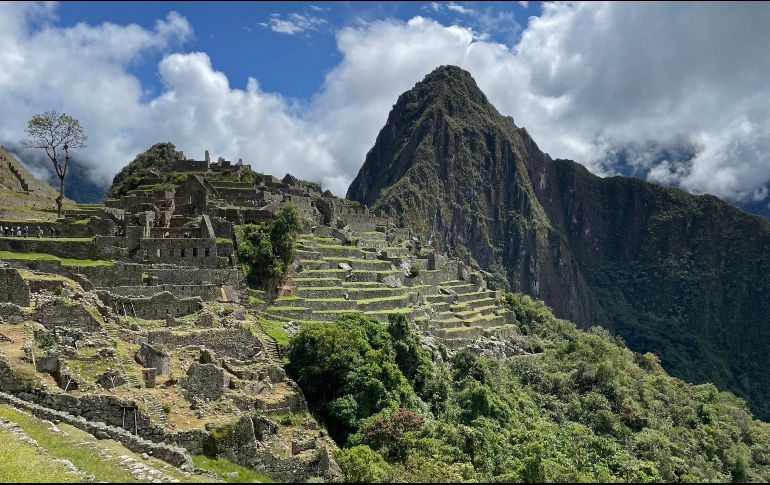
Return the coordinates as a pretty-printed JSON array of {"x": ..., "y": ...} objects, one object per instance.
[
  {"x": 111, "y": 379},
  {"x": 391, "y": 281},
  {"x": 152, "y": 356},
  {"x": 205, "y": 381}
]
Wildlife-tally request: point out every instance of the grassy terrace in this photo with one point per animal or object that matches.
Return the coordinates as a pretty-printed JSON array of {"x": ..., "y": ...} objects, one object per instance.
[
  {"x": 32, "y": 237},
  {"x": 51, "y": 257},
  {"x": 101, "y": 458},
  {"x": 274, "y": 329},
  {"x": 355, "y": 260}
]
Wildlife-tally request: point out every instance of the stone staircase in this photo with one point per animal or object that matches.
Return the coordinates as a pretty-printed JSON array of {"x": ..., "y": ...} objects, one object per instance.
[
  {"x": 154, "y": 409},
  {"x": 334, "y": 279}
]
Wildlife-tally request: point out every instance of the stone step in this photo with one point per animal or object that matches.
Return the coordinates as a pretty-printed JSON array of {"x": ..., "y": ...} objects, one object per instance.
[
  {"x": 484, "y": 310},
  {"x": 386, "y": 303},
  {"x": 486, "y": 321},
  {"x": 331, "y": 304},
  {"x": 323, "y": 273},
  {"x": 321, "y": 291},
  {"x": 319, "y": 282},
  {"x": 334, "y": 250},
  {"x": 472, "y": 304},
  {"x": 461, "y": 288},
  {"x": 359, "y": 264},
  {"x": 154, "y": 409},
  {"x": 365, "y": 275},
  {"x": 460, "y": 331},
  {"x": 314, "y": 264},
  {"x": 376, "y": 292}
]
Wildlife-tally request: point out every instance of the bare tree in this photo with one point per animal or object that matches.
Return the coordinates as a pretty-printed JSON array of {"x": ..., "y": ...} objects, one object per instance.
[{"x": 55, "y": 132}]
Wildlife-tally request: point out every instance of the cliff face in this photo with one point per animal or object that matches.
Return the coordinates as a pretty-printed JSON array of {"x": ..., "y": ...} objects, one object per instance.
[{"x": 686, "y": 277}]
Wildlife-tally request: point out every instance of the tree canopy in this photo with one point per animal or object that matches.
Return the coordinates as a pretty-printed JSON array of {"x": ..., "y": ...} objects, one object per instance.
[{"x": 574, "y": 406}]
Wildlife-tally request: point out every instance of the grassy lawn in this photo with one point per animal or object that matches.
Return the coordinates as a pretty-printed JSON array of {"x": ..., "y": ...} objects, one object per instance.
[
  {"x": 225, "y": 468},
  {"x": 32, "y": 237},
  {"x": 22, "y": 462},
  {"x": 97, "y": 457},
  {"x": 51, "y": 257},
  {"x": 275, "y": 330}
]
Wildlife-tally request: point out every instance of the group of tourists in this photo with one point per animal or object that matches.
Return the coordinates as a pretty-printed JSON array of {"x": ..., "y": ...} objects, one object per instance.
[{"x": 19, "y": 231}]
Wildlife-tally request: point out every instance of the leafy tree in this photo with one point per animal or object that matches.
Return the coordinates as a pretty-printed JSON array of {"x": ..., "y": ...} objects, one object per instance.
[
  {"x": 348, "y": 372},
  {"x": 583, "y": 408},
  {"x": 268, "y": 249},
  {"x": 360, "y": 464},
  {"x": 56, "y": 132}
]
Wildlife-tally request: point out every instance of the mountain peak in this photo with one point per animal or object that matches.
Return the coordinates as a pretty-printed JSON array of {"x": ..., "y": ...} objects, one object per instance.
[{"x": 449, "y": 82}]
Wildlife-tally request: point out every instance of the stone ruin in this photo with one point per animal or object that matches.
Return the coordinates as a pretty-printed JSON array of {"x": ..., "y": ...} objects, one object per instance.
[{"x": 165, "y": 314}]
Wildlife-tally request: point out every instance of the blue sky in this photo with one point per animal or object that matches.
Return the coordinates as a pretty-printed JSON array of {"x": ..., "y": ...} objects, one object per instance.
[
  {"x": 672, "y": 92},
  {"x": 242, "y": 42}
]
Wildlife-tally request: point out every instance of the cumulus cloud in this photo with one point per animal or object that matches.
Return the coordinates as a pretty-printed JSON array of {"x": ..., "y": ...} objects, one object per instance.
[{"x": 676, "y": 93}]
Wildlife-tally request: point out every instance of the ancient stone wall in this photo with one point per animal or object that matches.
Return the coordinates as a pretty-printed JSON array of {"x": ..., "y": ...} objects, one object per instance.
[
  {"x": 57, "y": 247},
  {"x": 184, "y": 251},
  {"x": 13, "y": 288},
  {"x": 153, "y": 307},
  {"x": 238, "y": 343},
  {"x": 57, "y": 312},
  {"x": 197, "y": 276},
  {"x": 207, "y": 292},
  {"x": 174, "y": 455}
]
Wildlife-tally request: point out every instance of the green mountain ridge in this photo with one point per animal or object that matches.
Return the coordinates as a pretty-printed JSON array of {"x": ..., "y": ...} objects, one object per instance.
[{"x": 680, "y": 275}]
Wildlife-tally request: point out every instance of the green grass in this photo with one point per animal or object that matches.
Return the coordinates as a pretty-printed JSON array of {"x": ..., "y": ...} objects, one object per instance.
[
  {"x": 355, "y": 260},
  {"x": 225, "y": 467},
  {"x": 51, "y": 257},
  {"x": 286, "y": 308},
  {"x": 404, "y": 311},
  {"x": 224, "y": 240},
  {"x": 80, "y": 448},
  {"x": 22, "y": 462},
  {"x": 255, "y": 301},
  {"x": 274, "y": 330},
  {"x": 387, "y": 298},
  {"x": 32, "y": 237}
]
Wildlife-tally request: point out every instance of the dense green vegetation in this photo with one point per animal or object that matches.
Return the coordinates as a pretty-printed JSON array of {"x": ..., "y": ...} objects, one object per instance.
[
  {"x": 159, "y": 157},
  {"x": 575, "y": 406},
  {"x": 267, "y": 249},
  {"x": 683, "y": 276}
]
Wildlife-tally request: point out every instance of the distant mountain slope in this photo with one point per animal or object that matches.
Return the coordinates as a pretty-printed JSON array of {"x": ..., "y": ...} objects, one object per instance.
[
  {"x": 687, "y": 277},
  {"x": 22, "y": 196}
]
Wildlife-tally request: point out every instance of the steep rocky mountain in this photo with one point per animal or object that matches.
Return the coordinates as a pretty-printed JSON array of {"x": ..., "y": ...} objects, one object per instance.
[{"x": 687, "y": 277}]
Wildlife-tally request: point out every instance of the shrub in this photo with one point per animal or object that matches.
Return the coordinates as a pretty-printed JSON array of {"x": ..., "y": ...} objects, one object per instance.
[{"x": 268, "y": 249}]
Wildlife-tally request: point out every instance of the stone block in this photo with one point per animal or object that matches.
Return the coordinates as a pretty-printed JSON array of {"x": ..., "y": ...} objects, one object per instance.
[
  {"x": 204, "y": 381},
  {"x": 154, "y": 356}
]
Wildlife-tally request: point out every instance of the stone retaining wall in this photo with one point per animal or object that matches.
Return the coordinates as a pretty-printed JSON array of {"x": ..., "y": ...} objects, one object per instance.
[
  {"x": 173, "y": 455},
  {"x": 58, "y": 247},
  {"x": 13, "y": 288},
  {"x": 238, "y": 343}
]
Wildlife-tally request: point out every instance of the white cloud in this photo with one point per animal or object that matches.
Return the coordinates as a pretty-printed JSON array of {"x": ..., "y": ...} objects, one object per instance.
[
  {"x": 459, "y": 8},
  {"x": 657, "y": 82},
  {"x": 294, "y": 23}
]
